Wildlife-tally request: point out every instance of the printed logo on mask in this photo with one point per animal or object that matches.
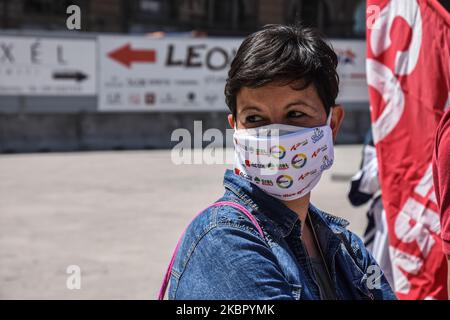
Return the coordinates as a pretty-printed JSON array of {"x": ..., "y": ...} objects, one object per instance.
[
  {"x": 257, "y": 151},
  {"x": 298, "y": 145},
  {"x": 286, "y": 166},
  {"x": 284, "y": 181},
  {"x": 254, "y": 165},
  {"x": 243, "y": 174},
  {"x": 321, "y": 149},
  {"x": 288, "y": 195},
  {"x": 309, "y": 173},
  {"x": 270, "y": 165},
  {"x": 299, "y": 161},
  {"x": 318, "y": 134},
  {"x": 326, "y": 163},
  {"x": 278, "y": 152},
  {"x": 264, "y": 182}
]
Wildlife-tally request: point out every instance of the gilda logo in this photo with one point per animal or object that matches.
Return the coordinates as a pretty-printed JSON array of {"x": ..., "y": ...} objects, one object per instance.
[
  {"x": 299, "y": 160},
  {"x": 284, "y": 181}
]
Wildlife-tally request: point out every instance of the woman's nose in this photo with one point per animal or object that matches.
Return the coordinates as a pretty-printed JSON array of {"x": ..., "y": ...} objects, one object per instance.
[{"x": 277, "y": 118}]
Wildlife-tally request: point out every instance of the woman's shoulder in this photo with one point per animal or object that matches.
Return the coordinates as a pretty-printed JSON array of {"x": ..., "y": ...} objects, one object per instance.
[
  {"x": 217, "y": 232},
  {"x": 219, "y": 215}
]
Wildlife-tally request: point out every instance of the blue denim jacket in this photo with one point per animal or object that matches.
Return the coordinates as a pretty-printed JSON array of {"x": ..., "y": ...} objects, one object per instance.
[{"x": 222, "y": 255}]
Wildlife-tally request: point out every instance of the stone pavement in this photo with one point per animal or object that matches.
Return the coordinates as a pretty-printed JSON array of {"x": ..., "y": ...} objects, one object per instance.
[{"x": 117, "y": 215}]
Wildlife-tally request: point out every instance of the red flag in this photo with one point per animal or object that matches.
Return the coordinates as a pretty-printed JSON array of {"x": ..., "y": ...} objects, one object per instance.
[{"x": 408, "y": 62}]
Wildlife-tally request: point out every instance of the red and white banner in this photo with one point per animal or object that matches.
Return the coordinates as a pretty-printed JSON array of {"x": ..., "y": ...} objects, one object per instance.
[{"x": 408, "y": 62}]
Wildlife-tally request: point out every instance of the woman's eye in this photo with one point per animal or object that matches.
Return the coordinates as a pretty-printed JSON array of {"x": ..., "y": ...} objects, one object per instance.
[
  {"x": 253, "y": 118},
  {"x": 295, "y": 114}
]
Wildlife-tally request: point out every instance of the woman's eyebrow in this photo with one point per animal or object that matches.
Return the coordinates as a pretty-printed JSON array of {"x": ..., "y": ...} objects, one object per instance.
[
  {"x": 250, "y": 108},
  {"x": 297, "y": 102}
]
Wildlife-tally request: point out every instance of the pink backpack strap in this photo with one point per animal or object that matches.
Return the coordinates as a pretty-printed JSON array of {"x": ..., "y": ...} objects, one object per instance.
[{"x": 162, "y": 290}]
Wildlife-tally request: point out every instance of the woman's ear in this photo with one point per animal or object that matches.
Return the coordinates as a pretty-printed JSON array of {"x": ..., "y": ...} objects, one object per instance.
[
  {"x": 231, "y": 120},
  {"x": 336, "y": 119}
]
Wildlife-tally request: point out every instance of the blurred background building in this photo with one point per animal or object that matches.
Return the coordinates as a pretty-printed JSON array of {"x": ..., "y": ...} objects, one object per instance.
[
  {"x": 39, "y": 122},
  {"x": 335, "y": 18}
]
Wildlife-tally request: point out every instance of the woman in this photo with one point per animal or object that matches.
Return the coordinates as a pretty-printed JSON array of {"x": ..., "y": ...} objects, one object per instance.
[{"x": 264, "y": 239}]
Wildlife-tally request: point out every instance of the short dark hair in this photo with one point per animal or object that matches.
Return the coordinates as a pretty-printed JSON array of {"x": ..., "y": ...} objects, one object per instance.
[{"x": 284, "y": 54}]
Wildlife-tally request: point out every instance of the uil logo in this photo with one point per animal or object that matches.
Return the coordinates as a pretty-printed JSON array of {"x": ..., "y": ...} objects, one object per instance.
[
  {"x": 326, "y": 163},
  {"x": 318, "y": 134}
]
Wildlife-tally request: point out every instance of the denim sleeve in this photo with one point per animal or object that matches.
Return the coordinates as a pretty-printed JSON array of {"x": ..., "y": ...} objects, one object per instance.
[
  {"x": 230, "y": 262},
  {"x": 375, "y": 280}
]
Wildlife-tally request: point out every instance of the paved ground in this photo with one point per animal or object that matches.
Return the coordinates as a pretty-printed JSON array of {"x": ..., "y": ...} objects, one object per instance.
[{"x": 117, "y": 215}]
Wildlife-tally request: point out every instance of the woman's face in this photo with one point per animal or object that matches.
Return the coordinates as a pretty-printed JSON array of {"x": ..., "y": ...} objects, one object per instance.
[{"x": 273, "y": 103}]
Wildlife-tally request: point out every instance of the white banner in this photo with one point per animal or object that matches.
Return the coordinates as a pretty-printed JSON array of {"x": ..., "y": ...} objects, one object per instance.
[
  {"x": 142, "y": 74},
  {"x": 47, "y": 66}
]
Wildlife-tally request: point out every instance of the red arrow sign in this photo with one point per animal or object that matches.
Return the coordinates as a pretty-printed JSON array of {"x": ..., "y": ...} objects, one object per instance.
[{"x": 126, "y": 56}]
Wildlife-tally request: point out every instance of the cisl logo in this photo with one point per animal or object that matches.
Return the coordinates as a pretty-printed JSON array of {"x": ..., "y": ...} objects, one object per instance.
[
  {"x": 284, "y": 181},
  {"x": 278, "y": 152},
  {"x": 299, "y": 161}
]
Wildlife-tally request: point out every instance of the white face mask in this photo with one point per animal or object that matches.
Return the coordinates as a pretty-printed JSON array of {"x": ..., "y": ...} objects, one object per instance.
[{"x": 284, "y": 161}]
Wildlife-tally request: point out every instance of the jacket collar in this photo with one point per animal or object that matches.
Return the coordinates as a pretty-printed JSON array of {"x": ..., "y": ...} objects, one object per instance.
[{"x": 284, "y": 218}]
